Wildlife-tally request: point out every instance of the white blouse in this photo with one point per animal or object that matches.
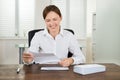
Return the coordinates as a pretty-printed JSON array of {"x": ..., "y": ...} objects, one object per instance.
[{"x": 65, "y": 41}]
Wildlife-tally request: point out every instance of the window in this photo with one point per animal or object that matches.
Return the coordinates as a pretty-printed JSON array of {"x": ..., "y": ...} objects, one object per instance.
[
  {"x": 16, "y": 17},
  {"x": 7, "y": 18},
  {"x": 26, "y": 16}
]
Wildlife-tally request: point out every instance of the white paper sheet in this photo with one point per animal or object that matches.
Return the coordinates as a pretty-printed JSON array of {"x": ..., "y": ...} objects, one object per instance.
[
  {"x": 54, "y": 68},
  {"x": 46, "y": 58}
]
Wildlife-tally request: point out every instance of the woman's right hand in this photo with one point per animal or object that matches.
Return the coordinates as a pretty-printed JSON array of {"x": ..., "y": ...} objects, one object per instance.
[{"x": 27, "y": 57}]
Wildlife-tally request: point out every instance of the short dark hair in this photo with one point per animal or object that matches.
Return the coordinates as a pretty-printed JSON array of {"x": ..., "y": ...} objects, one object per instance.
[{"x": 51, "y": 8}]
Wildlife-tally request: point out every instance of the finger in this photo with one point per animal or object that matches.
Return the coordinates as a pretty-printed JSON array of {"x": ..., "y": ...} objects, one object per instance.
[
  {"x": 28, "y": 57},
  {"x": 27, "y": 54},
  {"x": 64, "y": 63}
]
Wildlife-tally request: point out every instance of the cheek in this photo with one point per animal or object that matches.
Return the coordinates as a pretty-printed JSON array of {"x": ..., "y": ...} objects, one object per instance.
[
  {"x": 47, "y": 24},
  {"x": 57, "y": 23}
]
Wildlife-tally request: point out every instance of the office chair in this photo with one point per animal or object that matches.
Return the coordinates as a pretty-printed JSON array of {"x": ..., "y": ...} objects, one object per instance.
[{"x": 32, "y": 33}]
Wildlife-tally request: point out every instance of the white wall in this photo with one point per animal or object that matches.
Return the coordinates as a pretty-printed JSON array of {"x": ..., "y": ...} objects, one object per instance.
[
  {"x": 90, "y": 10},
  {"x": 108, "y": 31},
  {"x": 9, "y": 51}
]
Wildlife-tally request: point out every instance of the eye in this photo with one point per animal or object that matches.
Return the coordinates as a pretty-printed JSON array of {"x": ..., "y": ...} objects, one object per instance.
[
  {"x": 47, "y": 20},
  {"x": 54, "y": 19}
]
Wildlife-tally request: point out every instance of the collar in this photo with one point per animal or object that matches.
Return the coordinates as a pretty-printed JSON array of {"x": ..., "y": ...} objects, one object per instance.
[{"x": 47, "y": 33}]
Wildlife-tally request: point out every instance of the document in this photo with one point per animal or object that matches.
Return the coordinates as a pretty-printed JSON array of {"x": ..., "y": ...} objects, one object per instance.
[
  {"x": 46, "y": 58},
  {"x": 54, "y": 68}
]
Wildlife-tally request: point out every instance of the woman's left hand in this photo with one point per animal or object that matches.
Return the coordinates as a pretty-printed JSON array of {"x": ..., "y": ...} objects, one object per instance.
[{"x": 66, "y": 62}]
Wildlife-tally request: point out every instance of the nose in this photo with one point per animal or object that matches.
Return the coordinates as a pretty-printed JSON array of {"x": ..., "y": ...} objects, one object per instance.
[{"x": 51, "y": 23}]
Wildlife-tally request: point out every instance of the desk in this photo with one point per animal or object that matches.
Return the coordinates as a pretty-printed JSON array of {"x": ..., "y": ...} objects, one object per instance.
[{"x": 33, "y": 72}]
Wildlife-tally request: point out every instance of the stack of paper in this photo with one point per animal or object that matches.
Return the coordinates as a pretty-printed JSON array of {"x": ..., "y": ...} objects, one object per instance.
[{"x": 89, "y": 68}]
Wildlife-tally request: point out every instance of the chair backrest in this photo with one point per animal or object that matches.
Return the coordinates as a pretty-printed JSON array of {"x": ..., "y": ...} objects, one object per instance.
[{"x": 32, "y": 33}]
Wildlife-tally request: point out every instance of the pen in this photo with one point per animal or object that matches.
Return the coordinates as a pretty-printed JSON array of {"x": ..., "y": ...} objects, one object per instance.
[{"x": 18, "y": 70}]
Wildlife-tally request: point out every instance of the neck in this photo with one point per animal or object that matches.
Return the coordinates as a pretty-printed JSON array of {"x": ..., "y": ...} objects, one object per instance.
[{"x": 54, "y": 33}]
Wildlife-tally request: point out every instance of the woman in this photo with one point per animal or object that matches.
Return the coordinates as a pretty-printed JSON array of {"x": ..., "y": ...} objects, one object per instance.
[{"x": 55, "y": 40}]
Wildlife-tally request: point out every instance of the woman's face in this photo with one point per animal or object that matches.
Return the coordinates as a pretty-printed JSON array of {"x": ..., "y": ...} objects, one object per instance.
[{"x": 52, "y": 21}]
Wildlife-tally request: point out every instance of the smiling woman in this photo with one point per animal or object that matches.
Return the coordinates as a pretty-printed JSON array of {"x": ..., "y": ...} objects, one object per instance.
[
  {"x": 54, "y": 39},
  {"x": 52, "y": 18},
  {"x": 17, "y": 17}
]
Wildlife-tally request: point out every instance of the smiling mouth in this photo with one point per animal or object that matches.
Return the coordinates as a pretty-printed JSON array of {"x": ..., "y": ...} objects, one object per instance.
[{"x": 52, "y": 27}]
